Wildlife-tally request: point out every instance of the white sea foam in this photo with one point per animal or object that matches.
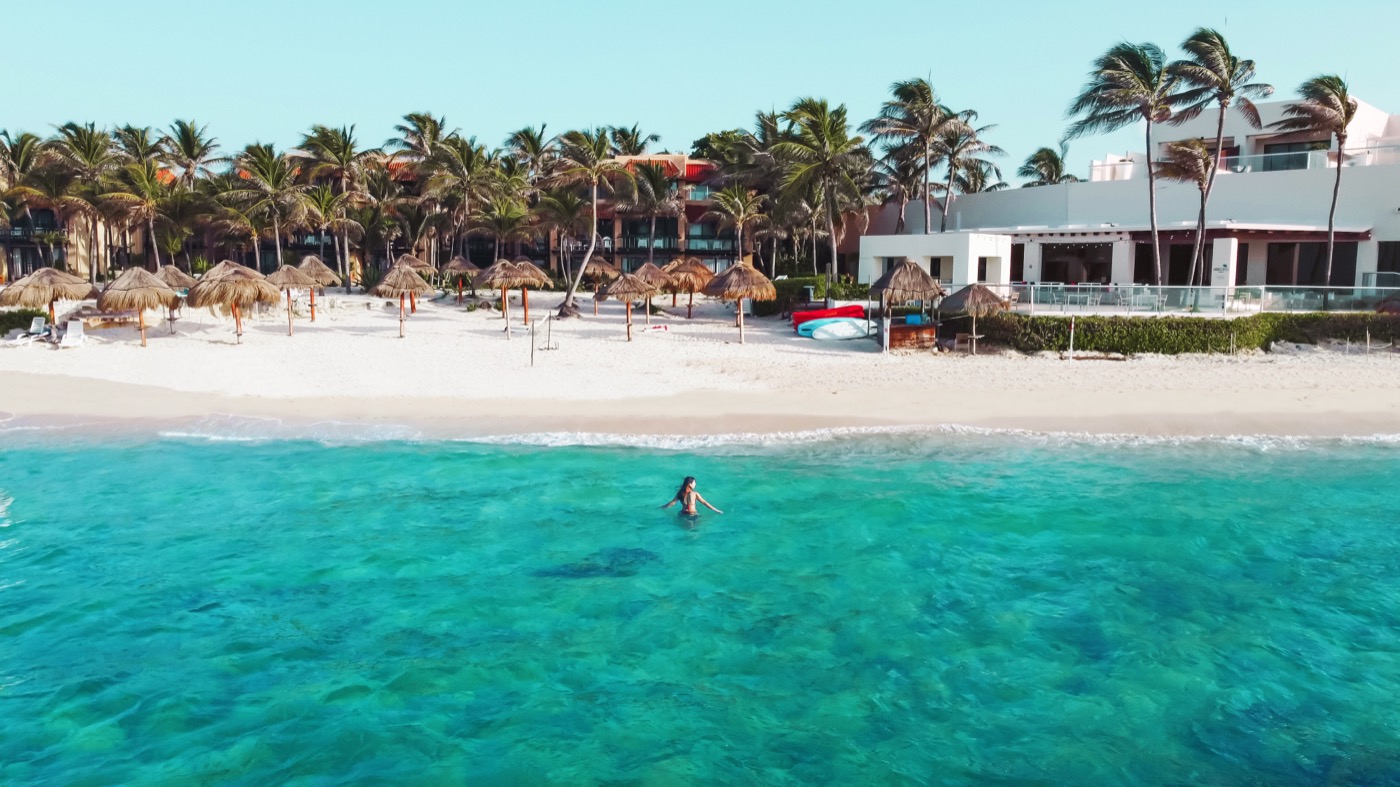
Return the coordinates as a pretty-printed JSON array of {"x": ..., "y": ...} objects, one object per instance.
[{"x": 244, "y": 429}]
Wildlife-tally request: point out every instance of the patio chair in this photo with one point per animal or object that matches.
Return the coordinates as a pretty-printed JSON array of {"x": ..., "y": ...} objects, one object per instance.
[
  {"x": 74, "y": 336},
  {"x": 37, "y": 327}
]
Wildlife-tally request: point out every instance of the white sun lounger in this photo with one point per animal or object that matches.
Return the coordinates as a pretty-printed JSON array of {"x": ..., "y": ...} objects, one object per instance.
[{"x": 74, "y": 336}]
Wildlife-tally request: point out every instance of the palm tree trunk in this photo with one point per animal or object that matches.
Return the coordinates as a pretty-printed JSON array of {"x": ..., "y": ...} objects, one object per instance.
[
  {"x": 1199, "y": 249},
  {"x": 928, "y": 191},
  {"x": 257, "y": 253},
  {"x": 321, "y": 244},
  {"x": 277, "y": 231},
  {"x": 1152, "y": 208},
  {"x": 651, "y": 246},
  {"x": 947, "y": 197},
  {"x": 1198, "y": 260},
  {"x": 831, "y": 230},
  {"x": 1332, "y": 218},
  {"x": 151, "y": 226},
  {"x": 568, "y": 303},
  {"x": 345, "y": 258}
]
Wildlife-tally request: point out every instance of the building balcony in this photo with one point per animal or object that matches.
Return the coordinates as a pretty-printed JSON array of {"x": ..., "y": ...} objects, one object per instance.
[{"x": 627, "y": 244}]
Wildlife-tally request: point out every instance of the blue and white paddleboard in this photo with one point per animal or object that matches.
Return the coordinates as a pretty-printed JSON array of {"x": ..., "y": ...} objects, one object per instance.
[
  {"x": 806, "y": 328},
  {"x": 843, "y": 328}
]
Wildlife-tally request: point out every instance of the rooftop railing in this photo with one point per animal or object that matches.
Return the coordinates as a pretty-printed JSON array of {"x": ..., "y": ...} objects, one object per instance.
[
  {"x": 1365, "y": 156},
  {"x": 1052, "y": 298}
]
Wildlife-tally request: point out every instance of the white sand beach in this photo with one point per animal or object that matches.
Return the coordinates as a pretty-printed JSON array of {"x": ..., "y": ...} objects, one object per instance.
[{"x": 457, "y": 374}]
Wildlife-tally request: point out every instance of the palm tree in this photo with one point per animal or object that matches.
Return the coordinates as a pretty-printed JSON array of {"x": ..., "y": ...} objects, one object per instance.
[
  {"x": 237, "y": 222},
  {"x": 325, "y": 209},
  {"x": 270, "y": 187},
  {"x": 54, "y": 188},
  {"x": 585, "y": 159},
  {"x": 137, "y": 143},
  {"x": 183, "y": 211},
  {"x": 1327, "y": 108},
  {"x": 91, "y": 155},
  {"x": 825, "y": 159},
  {"x": 335, "y": 154},
  {"x": 418, "y": 137},
  {"x": 190, "y": 151},
  {"x": 461, "y": 171},
  {"x": 1046, "y": 167},
  {"x": 1129, "y": 82},
  {"x": 140, "y": 190},
  {"x": 532, "y": 148},
  {"x": 1191, "y": 161},
  {"x": 1212, "y": 75},
  {"x": 959, "y": 146},
  {"x": 979, "y": 177},
  {"x": 505, "y": 219},
  {"x": 902, "y": 179},
  {"x": 21, "y": 155},
  {"x": 631, "y": 141},
  {"x": 912, "y": 119},
  {"x": 651, "y": 193},
  {"x": 566, "y": 212},
  {"x": 737, "y": 208}
]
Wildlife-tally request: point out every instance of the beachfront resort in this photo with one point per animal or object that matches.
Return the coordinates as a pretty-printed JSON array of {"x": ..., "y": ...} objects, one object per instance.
[{"x": 347, "y": 461}]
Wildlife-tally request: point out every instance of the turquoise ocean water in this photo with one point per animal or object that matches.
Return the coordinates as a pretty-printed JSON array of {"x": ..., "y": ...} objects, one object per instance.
[{"x": 872, "y": 609}]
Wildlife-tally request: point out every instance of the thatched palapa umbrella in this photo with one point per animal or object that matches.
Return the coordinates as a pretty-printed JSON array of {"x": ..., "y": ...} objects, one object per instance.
[
  {"x": 531, "y": 275},
  {"x": 626, "y": 288},
  {"x": 460, "y": 268},
  {"x": 597, "y": 271},
  {"x": 232, "y": 285},
  {"x": 401, "y": 280},
  {"x": 45, "y": 287},
  {"x": 312, "y": 266},
  {"x": 419, "y": 267},
  {"x": 975, "y": 301},
  {"x": 286, "y": 279},
  {"x": 907, "y": 282},
  {"x": 738, "y": 282},
  {"x": 502, "y": 275},
  {"x": 176, "y": 280},
  {"x": 689, "y": 276},
  {"x": 137, "y": 289},
  {"x": 654, "y": 276}
]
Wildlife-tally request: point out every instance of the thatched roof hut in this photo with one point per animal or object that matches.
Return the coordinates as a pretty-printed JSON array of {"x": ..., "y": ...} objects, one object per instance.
[
  {"x": 461, "y": 266},
  {"x": 688, "y": 276},
  {"x": 312, "y": 266},
  {"x": 419, "y": 266},
  {"x": 975, "y": 301},
  {"x": 738, "y": 282},
  {"x": 907, "y": 282},
  {"x": 287, "y": 278},
  {"x": 652, "y": 275},
  {"x": 234, "y": 286},
  {"x": 175, "y": 278},
  {"x": 597, "y": 270},
  {"x": 44, "y": 287},
  {"x": 136, "y": 289},
  {"x": 628, "y": 288},
  {"x": 401, "y": 281}
]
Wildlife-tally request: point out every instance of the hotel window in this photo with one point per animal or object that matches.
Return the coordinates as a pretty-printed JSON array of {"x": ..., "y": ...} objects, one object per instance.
[
  {"x": 1388, "y": 264},
  {"x": 1289, "y": 155}
]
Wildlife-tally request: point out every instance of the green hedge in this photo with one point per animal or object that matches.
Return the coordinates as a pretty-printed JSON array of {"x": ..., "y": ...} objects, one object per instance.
[
  {"x": 1174, "y": 335},
  {"x": 20, "y": 318},
  {"x": 790, "y": 293}
]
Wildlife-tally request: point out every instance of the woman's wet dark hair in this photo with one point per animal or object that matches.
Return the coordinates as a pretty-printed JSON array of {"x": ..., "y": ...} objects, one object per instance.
[{"x": 690, "y": 479}]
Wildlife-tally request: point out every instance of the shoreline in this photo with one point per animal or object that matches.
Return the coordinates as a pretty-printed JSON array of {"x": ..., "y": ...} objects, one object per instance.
[
  {"x": 38, "y": 401},
  {"x": 455, "y": 376}
]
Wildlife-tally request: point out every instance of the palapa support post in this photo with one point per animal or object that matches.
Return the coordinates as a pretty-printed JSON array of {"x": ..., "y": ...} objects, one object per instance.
[
  {"x": 595, "y": 300},
  {"x": 741, "y": 320},
  {"x": 505, "y": 309},
  {"x": 52, "y": 318},
  {"x": 648, "y": 308},
  {"x": 141, "y": 320},
  {"x": 690, "y": 307},
  {"x": 412, "y": 303},
  {"x": 313, "y": 304},
  {"x": 401, "y": 317},
  {"x": 237, "y": 323},
  {"x": 629, "y": 321},
  {"x": 459, "y": 289},
  {"x": 673, "y": 300},
  {"x": 289, "y": 312},
  {"x": 525, "y": 298}
]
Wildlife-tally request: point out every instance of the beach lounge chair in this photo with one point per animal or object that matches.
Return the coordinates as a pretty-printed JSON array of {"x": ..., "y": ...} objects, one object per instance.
[
  {"x": 74, "y": 336},
  {"x": 38, "y": 327}
]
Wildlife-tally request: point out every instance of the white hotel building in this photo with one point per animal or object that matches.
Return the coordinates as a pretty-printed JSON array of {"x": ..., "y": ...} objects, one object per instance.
[{"x": 1266, "y": 224}]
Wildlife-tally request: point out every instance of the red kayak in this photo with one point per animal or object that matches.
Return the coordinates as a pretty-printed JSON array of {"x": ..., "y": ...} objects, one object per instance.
[{"x": 854, "y": 310}]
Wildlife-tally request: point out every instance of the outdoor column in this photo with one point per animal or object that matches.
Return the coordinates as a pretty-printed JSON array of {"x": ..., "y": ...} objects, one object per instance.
[
  {"x": 1223, "y": 252},
  {"x": 1030, "y": 263},
  {"x": 1256, "y": 271},
  {"x": 1368, "y": 259},
  {"x": 1121, "y": 272}
]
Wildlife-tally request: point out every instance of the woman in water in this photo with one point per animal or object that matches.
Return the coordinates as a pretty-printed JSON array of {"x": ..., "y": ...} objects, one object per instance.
[{"x": 688, "y": 497}]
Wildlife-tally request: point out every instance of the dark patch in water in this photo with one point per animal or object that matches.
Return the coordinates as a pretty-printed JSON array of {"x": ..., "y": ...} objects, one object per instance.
[
  {"x": 209, "y": 606},
  {"x": 614, "y": 562}
]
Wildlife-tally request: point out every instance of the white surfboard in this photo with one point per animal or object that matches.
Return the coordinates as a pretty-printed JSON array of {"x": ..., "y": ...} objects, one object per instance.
[{"x": 841, "y": 329}]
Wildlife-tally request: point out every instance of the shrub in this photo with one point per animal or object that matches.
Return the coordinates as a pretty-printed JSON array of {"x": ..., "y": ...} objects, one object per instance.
[
  {"x": 790, "y": 293},
  {"x": 1175, "y": 335},
  {"x": 19, "y": 318}
]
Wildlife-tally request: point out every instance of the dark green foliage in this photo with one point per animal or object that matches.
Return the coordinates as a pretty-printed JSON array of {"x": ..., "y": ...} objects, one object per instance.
[
  {"x": 1174, "y": 335},
  {"x": 790, "y": 293},
  {"x": 20, "y": 318}
]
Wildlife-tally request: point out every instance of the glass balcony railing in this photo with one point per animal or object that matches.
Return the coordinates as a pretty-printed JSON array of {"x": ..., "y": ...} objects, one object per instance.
[
  {"x": 1367, "y": 156},
  {"x": 1055, "y": 298}
]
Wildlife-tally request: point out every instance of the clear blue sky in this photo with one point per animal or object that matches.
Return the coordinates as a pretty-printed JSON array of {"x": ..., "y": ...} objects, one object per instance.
[{"x": 264, "y": 71}]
